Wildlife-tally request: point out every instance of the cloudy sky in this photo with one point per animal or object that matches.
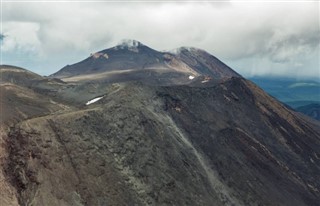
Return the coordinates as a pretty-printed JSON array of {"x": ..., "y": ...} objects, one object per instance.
[{"x": 255, "y": 38}]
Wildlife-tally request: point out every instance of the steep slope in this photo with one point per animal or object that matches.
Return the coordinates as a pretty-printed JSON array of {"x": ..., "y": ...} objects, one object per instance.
[
  {"x": 204, "y": 63},
  {"x": 19, "y": 101},
  {"x": 257, "y": 134},
  {"x": 225, "y": 144}
]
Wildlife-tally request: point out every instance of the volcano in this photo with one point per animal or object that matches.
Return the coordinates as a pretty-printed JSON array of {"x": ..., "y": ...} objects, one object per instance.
[
  {"x": 130, "y": 125},
  {"x": 131, "y": 61}
]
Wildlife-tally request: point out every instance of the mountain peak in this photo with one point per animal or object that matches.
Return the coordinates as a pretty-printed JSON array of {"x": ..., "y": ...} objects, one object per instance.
[
  {"x": 130, "y": 58},
  {"x": 130, "y": 44}
]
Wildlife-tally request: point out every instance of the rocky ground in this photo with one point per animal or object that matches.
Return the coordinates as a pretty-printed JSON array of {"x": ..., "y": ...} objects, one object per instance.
[{"x": 226, "y": 144}]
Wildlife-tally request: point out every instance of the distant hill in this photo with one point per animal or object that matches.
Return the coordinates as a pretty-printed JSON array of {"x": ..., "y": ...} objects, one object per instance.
[
  {"x": 312, "y": 110},
  {"x": 301, "y": 95},
  {"x": 294, "y": 93}
]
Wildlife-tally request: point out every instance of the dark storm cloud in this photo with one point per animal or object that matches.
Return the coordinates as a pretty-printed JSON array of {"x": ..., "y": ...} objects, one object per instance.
[{"x": 274, "y": 37}]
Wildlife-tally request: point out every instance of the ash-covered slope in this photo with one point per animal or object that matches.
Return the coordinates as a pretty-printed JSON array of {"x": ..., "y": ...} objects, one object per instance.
[
  {"x": 228, "y": 144},
  {"x": 216, "y": 139},
  {"x": 125, "y": 56},
  {"x": 132, "y": 60},
  {"x": 24, "y": 94},
  {"x": 17, "y": 75},
  {"x": 204, "y": 63}
]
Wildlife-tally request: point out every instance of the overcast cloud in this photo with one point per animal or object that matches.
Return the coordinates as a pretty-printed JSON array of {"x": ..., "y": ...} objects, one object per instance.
[{"x": 262, "y": 38}]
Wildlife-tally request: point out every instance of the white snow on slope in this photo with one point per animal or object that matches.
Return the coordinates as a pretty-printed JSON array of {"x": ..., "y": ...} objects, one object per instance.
[
  {"x": 94, "y": 100},
  {"x": 191, "y": 77}
]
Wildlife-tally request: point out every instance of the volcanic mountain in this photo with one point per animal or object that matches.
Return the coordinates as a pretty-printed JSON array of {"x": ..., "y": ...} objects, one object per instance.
[
  {"x": 133, "y": 126},
  {"x": 131, "y": 60}
]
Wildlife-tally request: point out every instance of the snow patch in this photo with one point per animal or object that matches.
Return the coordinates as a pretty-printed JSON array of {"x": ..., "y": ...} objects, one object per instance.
[
  {"x": 94, "y": 100},
  {"x": 191, "y": 77},
  {"x": 206, "y": 79}
]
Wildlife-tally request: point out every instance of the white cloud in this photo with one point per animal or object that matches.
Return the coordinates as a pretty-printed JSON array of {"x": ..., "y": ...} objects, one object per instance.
[
  {"x": 20, "y": 36},
  {"x": 276, "y": 36}
]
